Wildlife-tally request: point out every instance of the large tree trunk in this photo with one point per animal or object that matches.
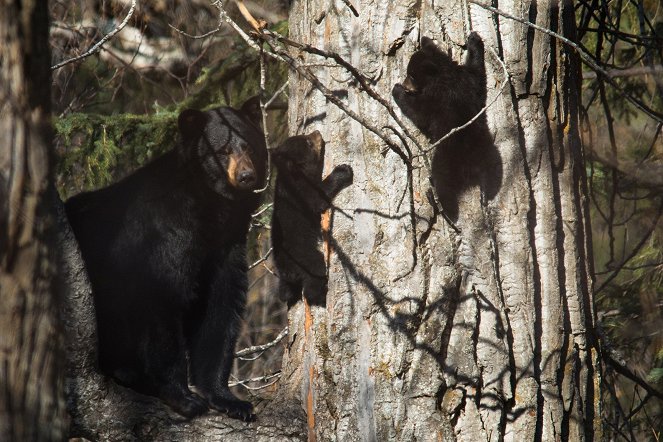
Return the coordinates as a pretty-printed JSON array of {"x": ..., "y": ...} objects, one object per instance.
[
  {"x": 489, "y": 334},
  {"x": 31, "y": 375}
]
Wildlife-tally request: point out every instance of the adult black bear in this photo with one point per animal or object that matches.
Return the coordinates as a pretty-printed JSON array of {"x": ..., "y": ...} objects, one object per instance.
[
  {"x": 438, "y": 95},
  {"x": 165, "y": 252},
  {"x": 300, "y": 197}
]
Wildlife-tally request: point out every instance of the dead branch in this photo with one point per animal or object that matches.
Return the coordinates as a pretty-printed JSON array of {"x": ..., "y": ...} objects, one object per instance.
[
  {"x": 98, "y": 46},
  {"x": 630, "y": 72},
  {"x": 261, "y": 348}
]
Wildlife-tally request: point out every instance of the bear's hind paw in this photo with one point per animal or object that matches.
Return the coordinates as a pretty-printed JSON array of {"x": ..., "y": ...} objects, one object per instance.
[{"x": 234, "y": 408}]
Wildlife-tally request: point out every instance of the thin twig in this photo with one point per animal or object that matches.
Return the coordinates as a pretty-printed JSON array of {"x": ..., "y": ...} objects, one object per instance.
[
  {"x": 352, "y": 8},
  {"x": 268, "y": 377},
  {"x": 97, "y": 46},
  {"x": 195, "y": 37},
  {"x": 263, "y": 113},
  {"x": 359, "y": 77},
  {"x": 262, "y": 259},
  {"x": 257, "y": 25},
  {"x": 260, "y": 348},
  {"x": 277, "y": 93},
  {"x": 223, "y": 15},
  {"x": 634, "y": 252},
  {"x": 611, "y": 356},
  {"x": 262, "y": 210}
]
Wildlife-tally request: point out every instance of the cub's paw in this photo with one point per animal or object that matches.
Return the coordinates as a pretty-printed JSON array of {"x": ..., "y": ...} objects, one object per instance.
[
  {"x": 398, "y": 91},
  {"x": 234, "y": 408},
  {"x": 474, "y": 41},
  {"x": 344, "y": 174},
  {"x": 474, "y": 46}
]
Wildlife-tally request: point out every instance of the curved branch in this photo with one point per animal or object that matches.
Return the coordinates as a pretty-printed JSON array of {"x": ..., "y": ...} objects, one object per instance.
[{"x": 97, "y": 46}]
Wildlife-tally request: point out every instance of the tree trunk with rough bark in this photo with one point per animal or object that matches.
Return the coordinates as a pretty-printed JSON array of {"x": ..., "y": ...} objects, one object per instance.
[
  {"x": 31, "y": 350},
  {"x": 486, "y": 332}
]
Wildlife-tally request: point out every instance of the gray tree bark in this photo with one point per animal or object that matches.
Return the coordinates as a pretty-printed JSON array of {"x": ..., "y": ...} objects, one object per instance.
[
  {"x": 488, "y": 334},
  {"x": 484, "y": 332},
  {"x": 31, "y": 350}
]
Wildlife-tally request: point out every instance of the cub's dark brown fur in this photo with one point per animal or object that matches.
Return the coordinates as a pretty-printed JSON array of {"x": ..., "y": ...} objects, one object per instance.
[
  {"x": 300, "y": 197},
  {"x": 438, "y": 95}
]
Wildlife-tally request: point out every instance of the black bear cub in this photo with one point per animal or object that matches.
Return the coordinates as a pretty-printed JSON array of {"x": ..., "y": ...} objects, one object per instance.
[
  {"x": 438, "y": 95},
  {"x": 300, "y": 197},
  {"x": 165, "y": 252}
]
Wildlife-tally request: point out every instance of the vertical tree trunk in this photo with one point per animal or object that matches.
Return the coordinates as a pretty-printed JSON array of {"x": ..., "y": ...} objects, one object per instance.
[
  {"x": 483, "y": 333},
  {"x": 31, "y": 382}
]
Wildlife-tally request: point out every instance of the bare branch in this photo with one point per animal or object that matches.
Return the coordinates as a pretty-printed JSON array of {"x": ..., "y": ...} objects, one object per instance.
[
  {"x": 98, "y": 46},
  {"x": 630, "y": 72},
  {"x": 195, "y": 37},
  {"x": 243, "y": 382},
  {"x": 263, "y": 113},
  {"x": 352, "y": 8},
  {"x": 262, "y": 210},
  {"x": 257, "y": 25},
  {"x": 260, "y": 348},
  {"x": 262, "y": 259},
  {"x": 611, "y": 356},
  {"x": 634, "y": 252}
]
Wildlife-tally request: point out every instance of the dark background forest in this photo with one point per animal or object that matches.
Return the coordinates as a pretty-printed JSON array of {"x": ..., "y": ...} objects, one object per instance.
[{"x": 116, "y": 108}]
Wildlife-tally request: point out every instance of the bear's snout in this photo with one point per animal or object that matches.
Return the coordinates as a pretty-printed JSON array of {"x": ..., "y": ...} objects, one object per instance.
[
  {"x": 241, "y": 173},
  {"x": 246, "y": 179}
]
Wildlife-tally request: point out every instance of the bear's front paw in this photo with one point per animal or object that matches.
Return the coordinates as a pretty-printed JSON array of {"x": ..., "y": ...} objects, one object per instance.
[
  {"x": 234, "y": 408},
  {"x": 344, "y": 174}
]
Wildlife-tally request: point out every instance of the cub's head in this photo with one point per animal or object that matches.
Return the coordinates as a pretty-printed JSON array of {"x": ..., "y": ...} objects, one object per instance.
[
  {"x": 301, "y": 156},
  {"x": 226, "y": 147},
  {"x": 438, "y": 93},
  {"x": 421, "y": 93}
]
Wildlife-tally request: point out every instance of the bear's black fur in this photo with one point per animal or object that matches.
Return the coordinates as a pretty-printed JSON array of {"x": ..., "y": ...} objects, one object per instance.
[
  {"x": 438, "y": 95},
  {"x": 300, "y": 197},
  {"x": 165, "y": 252}
]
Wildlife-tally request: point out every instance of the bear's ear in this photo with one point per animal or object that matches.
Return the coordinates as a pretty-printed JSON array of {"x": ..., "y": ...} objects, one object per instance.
[
  {"x": 191, "y": 123},
  {"x": 428, "y": 46},
  {"x": 251, "y": 109}
]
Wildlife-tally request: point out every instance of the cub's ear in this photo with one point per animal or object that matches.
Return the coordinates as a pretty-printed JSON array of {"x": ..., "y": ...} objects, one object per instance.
[
  {"x": 251, "y": 110},
  {"x": 191, "y": 123},
  {"x": 429, "y": 46}
]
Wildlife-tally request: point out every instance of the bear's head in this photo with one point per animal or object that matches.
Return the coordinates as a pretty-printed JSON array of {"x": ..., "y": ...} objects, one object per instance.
[
  {"x": 301, "y": 156},
  {"x": 226, "y": 147},
  {"x": 421, "y": 95},
  {"x": 438, "y": 93}
]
